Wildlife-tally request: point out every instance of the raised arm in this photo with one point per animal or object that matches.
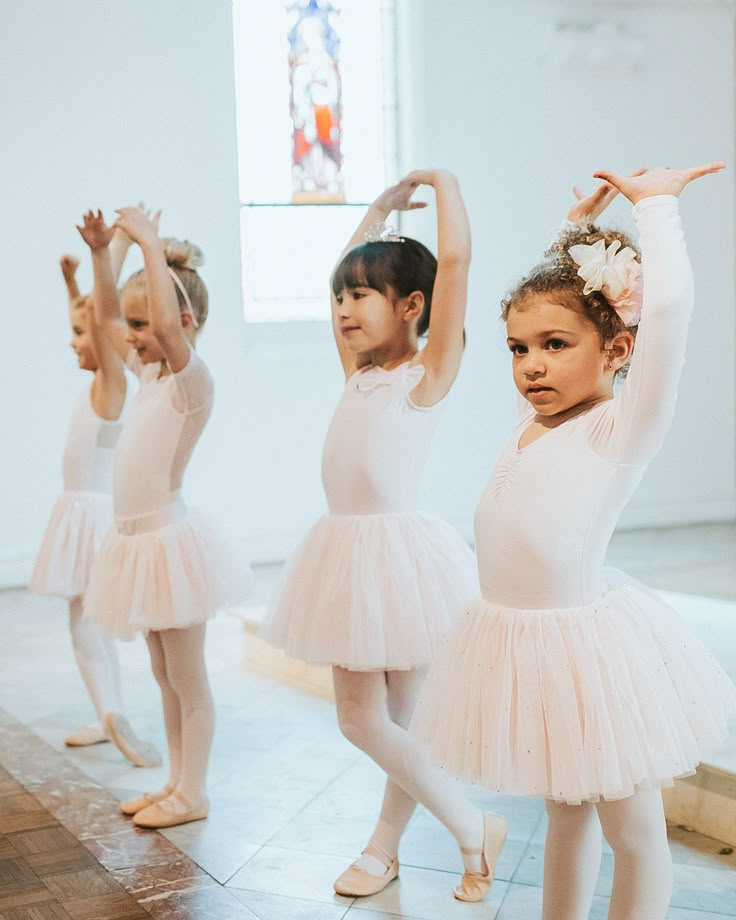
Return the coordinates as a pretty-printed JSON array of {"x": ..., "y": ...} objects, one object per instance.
[
  {"x": 109, "y": 386},
  {"x": 645, "y": 406},
  {"x": 395, "y": 198},
  {"x": 69, "y": 266},
  {"x": 167, "y": 321},
  {"x": 444, "y": 349},
  {"x": 97, "y": 235}
]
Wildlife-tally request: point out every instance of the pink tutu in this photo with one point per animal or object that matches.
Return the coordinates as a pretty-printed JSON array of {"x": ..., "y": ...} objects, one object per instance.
[
  {"x": 170, "y": 577},
  {"x": 77, "y": 524},
  {"x": 574, "y": 704},
  {"x": 372, "y": 591}
]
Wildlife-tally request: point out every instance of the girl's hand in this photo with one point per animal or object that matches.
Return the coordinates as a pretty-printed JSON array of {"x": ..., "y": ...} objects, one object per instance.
[
  {"x": 94, "y": 231},
  {"x": 659, "y": 181},
  {"x": 589, "y": 209},
  {"x": 121, "y": 238},
  {"x": 136, "y": 223},
  {"x": 69, "y": 266},
  {"x": 398, "y": 197}
]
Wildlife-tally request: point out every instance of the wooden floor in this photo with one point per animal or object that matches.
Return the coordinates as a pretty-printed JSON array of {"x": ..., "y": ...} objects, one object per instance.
[
  {"x": 45, "y": 872},
  {"x": 67, "y": 853}
]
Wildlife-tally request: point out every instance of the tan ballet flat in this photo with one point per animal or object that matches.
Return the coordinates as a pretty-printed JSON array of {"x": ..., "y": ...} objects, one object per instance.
[
  {"x": 131, "y": 807},
  {"x": 138, "y": 752},
  {"x": 474, "y": 886},
  {"x": 157, "y": 815},
  {"x": 83, "y": 737},
  {"x": 357, "y": 883}
]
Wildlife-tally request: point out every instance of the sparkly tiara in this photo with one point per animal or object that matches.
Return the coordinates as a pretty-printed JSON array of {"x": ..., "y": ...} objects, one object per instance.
[{"x": 382, "y": 233}]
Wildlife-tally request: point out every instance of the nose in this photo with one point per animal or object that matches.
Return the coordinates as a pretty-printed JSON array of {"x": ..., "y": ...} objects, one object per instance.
[
  {"x": 534, "y": 365},
  {"x": 130, "y": 337}
]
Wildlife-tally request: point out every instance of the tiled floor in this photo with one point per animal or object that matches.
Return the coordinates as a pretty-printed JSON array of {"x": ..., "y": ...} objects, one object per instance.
[{"x": 292, "y": 801}]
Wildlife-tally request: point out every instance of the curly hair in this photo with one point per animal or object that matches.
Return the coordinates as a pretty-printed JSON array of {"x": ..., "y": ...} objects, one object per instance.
[{"x": 558, "y": 274}]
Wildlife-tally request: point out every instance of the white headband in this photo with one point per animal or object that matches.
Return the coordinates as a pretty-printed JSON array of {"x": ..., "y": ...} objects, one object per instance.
[{"x": 177, "y": 281}]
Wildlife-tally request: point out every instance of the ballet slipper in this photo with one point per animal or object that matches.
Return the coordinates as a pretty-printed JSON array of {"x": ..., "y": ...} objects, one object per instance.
[
  {"x": 133, "y": 806},
  {"x": 474, "y": 886},
  {"x": 356, "y": 882},
  {"x": 179, "y": 811},
  {"x": 138, "y": 752},
  {"x": 83, "y": 737}
]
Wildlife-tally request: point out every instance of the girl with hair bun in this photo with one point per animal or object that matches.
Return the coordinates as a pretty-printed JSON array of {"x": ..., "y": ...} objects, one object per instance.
[
  {"x": 376, "y": 584},
  {"x": 162, "y": 569},
  {"x": 566, "y": 680},
  {"x": 83, "y": 513}
]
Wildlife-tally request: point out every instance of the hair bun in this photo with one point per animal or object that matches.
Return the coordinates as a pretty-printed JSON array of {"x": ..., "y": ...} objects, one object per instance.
[{"x": 182, "y": 254}]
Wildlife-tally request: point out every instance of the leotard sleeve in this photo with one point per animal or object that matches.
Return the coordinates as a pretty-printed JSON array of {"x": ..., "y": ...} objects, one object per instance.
[
  {"x": 634, "y": 426},
  {"x": 193, "y": 388}
]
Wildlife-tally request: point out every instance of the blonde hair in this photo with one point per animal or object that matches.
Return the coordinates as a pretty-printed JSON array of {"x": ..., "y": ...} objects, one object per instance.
[{"x": 183, "y": 258}]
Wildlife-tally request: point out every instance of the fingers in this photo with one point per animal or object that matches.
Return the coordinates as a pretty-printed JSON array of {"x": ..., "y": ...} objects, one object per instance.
[
  {"x": 578, "y": 193},
  {"x": 697, "y": 171}
]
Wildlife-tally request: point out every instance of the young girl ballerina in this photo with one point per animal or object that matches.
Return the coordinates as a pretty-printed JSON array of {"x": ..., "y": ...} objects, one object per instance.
[
  {"x": 373, "y": 588},
  {"x": 160, "y": 569},
  {"x": 566, "y": 680},
  {"x": 82, "y": 514}
]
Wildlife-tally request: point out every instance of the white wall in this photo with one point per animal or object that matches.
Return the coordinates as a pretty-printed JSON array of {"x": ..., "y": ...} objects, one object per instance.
[
  {"x": 105, "y": 104},
  {"x": 520, "y": 132}
]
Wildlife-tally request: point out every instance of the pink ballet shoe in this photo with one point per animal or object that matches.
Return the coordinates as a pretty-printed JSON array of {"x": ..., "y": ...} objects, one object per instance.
[
  {"x": 170, "y": 812},
  {"x": 83, "y": 737},
  {"x": 131, "y": 807},
  {"x": 357, "y": 883},
  {"x": 474, "y": 886},
  {"x": 138, "y": 752}
]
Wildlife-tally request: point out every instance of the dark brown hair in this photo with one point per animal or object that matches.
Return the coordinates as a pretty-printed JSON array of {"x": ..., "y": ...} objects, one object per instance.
[{"x": 390, "y": 268}]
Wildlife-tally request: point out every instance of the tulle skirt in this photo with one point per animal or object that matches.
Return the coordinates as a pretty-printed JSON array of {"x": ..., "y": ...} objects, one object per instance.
[
  {"x": 170, "y": 577},
  {"x": 77, "y": 524},
  {"x": 372, "y": 591},
  {"x": 574, "y": 704}
]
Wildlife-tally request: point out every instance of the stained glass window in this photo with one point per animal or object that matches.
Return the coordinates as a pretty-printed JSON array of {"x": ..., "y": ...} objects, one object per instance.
[
  {"x": 316, "y": 124},
  {"x": 316, "y": 100}
]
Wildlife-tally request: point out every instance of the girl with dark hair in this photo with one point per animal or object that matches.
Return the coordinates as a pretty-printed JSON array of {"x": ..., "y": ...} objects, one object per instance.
[
  {"x": 567, "y": 680},
  {"x": 375, "y": 586}
]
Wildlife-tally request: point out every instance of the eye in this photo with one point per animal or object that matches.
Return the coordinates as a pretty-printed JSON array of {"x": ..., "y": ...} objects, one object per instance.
[
  {"x": 357, "y": 295},
  {"x": 518, "y": 349},
  {"x": 338, "y": 298},
  {"x": 555, "y": 344}
]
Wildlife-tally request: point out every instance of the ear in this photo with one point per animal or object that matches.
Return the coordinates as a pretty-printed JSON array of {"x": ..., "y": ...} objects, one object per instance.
[
  {"x": 413, "y": 306},
  {"x": 618, "y": 351},
  {"x": 187, "y": 321}
]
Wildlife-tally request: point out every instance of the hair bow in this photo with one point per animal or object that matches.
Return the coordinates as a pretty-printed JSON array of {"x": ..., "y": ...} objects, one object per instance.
[{"x": 617, "y": 275}]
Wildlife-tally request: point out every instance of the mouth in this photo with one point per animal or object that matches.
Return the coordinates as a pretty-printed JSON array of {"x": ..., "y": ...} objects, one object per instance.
[
  {"x": 347, "y": 330},
  {"x": 538, "y": 391}
]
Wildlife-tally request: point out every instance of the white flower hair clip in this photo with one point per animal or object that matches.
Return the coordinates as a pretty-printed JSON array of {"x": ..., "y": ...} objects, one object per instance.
[
  {"x": 382, "y": 233},
  {"x": 617, "y": 275}
]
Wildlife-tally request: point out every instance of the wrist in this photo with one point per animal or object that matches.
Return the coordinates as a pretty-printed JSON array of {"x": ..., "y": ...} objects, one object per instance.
[{"x": 379, "y": 210}]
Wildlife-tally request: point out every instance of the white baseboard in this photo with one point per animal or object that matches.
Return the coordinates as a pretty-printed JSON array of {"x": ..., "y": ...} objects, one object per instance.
[
  {"x": 678, "y": 514},
  {"x": 16, "y": 567}
]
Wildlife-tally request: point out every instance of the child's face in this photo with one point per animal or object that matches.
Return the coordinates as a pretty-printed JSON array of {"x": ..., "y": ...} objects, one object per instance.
[
  {"x": 369, "y": 319},
  {"x": 558, "y": 359},
  {"x": 134, "y": 307},
  {"x": 82, "y": 341}
]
